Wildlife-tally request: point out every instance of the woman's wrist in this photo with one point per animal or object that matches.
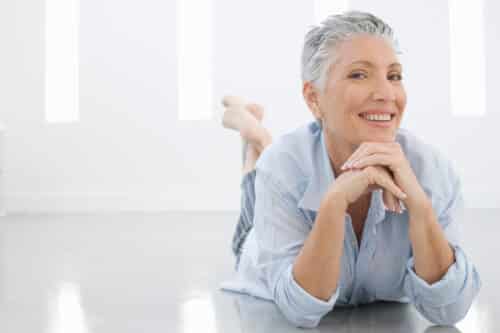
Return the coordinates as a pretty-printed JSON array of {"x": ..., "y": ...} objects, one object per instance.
[
  {"x": 336, "y": 200},
  {"x": 419, "y": 209}
]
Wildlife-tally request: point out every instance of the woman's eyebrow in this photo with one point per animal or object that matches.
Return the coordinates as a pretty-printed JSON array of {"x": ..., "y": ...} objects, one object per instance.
[{"x": 370, "y": 64}]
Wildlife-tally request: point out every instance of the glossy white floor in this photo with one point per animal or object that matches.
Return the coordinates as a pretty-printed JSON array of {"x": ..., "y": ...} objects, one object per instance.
[{"x": 160, "y": 273}]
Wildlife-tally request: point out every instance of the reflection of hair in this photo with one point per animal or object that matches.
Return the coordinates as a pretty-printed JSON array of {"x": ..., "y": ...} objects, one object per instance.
[{"x": 320, "y": 42}]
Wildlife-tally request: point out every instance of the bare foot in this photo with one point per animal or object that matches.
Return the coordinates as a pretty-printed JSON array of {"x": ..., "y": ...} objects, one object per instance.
[
  {"x": 239, "y": 118},
  {"x": 246, "y": 118},
  {"x": 256, "y": 110}
]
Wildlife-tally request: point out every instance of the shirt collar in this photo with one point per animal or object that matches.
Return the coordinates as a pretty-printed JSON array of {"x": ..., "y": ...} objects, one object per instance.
[{"x": 323, "y": 175}]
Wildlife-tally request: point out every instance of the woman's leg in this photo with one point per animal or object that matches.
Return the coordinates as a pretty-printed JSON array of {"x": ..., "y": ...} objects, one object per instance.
[
  {"x": 247, "y": 120},
  {"x": 251, "y": 157}
]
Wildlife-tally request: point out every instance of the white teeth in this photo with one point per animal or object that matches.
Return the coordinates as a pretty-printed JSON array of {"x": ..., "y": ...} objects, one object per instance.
[{"x": 376, "y": 117}]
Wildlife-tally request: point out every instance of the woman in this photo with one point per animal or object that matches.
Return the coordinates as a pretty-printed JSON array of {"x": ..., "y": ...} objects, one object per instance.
[{"x": 321, "y": 224}]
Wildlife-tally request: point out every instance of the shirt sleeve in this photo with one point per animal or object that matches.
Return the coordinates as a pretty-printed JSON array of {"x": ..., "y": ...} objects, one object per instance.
[
  {"x": 448, "y": 300},
  {"x": 281, "y": 229}
]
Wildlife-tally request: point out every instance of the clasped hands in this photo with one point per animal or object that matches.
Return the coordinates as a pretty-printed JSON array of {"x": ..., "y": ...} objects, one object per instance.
[{"x": 391, "y": 156}]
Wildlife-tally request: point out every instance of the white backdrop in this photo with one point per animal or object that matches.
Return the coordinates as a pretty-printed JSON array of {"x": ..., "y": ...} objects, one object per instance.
[{"x": 129, "y": 151}]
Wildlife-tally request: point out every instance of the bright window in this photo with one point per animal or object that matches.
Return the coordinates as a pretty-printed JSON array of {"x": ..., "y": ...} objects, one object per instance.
[
  {"x": 467, "y": 58},
  {"x": 194, "y": 56},
  {"x": 61, "y": 60}
]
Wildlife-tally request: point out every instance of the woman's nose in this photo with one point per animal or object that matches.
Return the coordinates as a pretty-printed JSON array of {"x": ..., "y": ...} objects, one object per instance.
[{"x": 383, "y": 90}]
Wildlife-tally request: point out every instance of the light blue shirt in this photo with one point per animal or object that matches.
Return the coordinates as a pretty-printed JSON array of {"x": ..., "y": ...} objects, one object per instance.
[{"x": 293, "y": 174}]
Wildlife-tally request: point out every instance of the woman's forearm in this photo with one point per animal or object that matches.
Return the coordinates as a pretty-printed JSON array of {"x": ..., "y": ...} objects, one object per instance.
[
  {"x": 317, "y": 267},
  {"x": 431, "y": 251}
]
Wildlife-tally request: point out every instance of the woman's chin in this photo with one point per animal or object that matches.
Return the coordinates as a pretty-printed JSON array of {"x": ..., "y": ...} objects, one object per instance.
[{"x": 379, "y": 136}]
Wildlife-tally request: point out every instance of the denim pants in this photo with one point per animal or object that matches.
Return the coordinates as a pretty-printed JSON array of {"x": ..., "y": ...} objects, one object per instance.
[{"x": 245, "y": 221}]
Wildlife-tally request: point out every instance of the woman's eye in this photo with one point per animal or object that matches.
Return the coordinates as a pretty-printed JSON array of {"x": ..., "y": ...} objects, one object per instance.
[
  {"x": 396, "y": 77},
  {"x": 357, "y": 75}
]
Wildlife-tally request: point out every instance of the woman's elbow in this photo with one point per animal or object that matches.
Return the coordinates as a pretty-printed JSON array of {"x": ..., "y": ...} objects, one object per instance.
[
  {"x": 447, "y": 315},
  {"x": 303, "y": 321}
]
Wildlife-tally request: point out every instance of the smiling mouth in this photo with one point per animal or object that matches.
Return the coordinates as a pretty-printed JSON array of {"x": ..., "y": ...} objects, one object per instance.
[
  {"x": 383, "y": 118},
  {"x": 378, "y": 121}
]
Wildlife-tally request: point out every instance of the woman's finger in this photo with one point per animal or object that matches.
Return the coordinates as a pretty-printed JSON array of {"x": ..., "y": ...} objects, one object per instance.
[
  {"x": 385, "y": 197},
  {"x": 383, "y": 159},
  {"x": 364, "y": 150},
  {"x": 402, "y": 205},
  {"x": 395, "y": 204},
  {"x": 389, "y": 200},
  {"x": 383, "y": 179}
]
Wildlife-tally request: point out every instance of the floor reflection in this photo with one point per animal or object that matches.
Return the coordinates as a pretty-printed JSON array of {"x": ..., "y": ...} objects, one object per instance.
[
  {"x": 476, "y": 321},
  {"x": 258, "y": 315},
  {"x": 66, "y": 313},
  {"x": 198, "y": 315},
  {"x": 261, "y": 316},
  {"x": 107, "y": 274}
]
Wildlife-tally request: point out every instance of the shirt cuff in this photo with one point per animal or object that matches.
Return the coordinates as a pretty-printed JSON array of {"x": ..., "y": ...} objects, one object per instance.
[
  {"x": 308, "y": 302},
  {"x": 444, "y": 291}
]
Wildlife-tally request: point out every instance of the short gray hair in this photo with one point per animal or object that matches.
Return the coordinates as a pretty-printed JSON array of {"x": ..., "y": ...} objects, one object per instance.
[{"x": 321, "y": 41}]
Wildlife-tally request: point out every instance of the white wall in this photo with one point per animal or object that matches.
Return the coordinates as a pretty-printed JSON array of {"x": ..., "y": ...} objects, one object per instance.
[{"x": 129, "y": 151}]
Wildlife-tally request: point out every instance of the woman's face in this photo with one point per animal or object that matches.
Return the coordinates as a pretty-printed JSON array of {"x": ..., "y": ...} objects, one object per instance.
[{"x": 365, "y": 78}]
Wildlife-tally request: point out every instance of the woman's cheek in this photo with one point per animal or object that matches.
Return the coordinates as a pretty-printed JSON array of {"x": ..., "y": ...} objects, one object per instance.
[{"x": 402, "y": 99}]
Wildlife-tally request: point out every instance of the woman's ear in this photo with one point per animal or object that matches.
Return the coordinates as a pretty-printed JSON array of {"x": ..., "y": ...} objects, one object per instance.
[{"x": 311, "y": 96}]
